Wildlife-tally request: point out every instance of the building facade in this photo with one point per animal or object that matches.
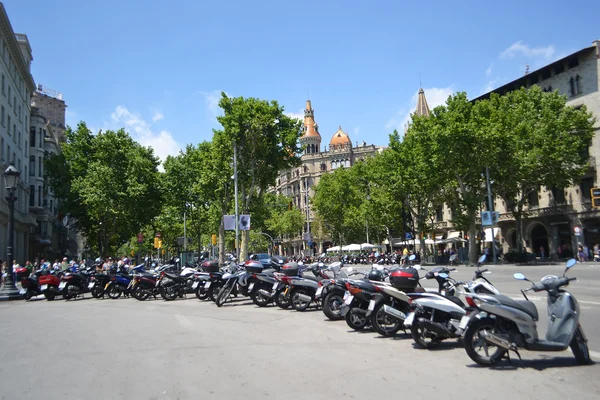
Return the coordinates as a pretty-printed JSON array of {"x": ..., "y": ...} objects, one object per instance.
[
  {"x": 15, "y": 92},
  {"x": 298, "y": 183},
  {"x": 559, "y": 219}
]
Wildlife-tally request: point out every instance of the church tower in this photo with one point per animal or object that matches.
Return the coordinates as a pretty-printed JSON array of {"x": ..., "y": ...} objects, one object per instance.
[
  {"x": 422, "y": 108},
  {"x": 310, "y": 139}
]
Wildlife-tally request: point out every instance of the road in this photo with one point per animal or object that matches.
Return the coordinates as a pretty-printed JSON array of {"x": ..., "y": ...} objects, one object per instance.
[{"x": 126, "y": 349}]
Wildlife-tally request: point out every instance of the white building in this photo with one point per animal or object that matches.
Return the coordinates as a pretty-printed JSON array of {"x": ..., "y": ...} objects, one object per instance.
[{"x": 16, "y": 87}]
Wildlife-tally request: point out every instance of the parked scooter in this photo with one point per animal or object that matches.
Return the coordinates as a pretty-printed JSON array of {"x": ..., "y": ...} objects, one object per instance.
[
  {"x": 504, "y": 324},
  {"x": 439, "y": 316},
  {"x": 29, "y": 283}
]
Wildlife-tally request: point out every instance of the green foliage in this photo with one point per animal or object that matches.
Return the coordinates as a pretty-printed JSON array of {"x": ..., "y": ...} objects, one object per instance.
[{"x": 108, "y": 182}]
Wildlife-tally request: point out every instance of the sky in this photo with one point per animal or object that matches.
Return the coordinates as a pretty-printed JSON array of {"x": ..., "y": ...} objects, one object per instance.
[{"x": 158, "y": 68}]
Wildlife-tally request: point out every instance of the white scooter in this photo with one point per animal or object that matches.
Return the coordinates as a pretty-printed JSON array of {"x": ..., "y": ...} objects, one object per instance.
[
  {"x": 439, "y": 316},
  {"x": 504, "y": 324}
]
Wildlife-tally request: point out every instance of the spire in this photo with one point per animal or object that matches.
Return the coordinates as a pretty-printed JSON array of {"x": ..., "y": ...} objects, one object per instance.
[
  {"x": 422, "y": 107},
  {"x": 311, "y": 129}
]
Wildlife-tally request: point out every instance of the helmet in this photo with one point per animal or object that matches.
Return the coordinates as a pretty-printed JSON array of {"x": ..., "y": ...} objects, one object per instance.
[{"x": 375, "y": 275}]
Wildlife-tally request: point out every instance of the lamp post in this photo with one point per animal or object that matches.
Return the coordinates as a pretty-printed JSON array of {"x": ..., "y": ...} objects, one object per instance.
[{"x": 11, "y": 179}]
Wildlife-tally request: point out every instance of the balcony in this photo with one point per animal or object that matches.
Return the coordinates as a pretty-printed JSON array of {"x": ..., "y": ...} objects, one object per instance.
[
  {"x": 562, "y": 209},
  {"x": 440, "y": 224}
]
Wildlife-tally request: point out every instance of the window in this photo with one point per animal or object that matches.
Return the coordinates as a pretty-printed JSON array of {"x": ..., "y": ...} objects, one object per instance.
[
  {"x": 8, "y": 152},
  {"x": 26, "y": 175},
  {"x": 32, "y": 136},
  {"x": 3, "y": 86},
  {"x": 546, "y": 73},
  {"x": 532, "y": 198},
  {"x": 39, "y": 196},
  {"x": 573, "y": 86},
  {"x": 40, "y": 167},
  {"x": 577, "y": 84},
  {"x": 20, "y": 115},
  {"x": 31, "y": 165},
  {"x": 42, "y": 136},
  {"x": 2, "y": 117},
  {"x": 8, "y": 126},
  {"x": 586, "y": 186},
  {"x": 559, "y": 68},
  {"x": 19, "y": 139},
  {"x": 14, "y": 157},
  {"x": 533, "y": 80},
  {"x": 439, "y": 214},
  {"x": 31, "y": 196},
  {"x": 26, "y": 149},
  {"x": 2, "y": 149},
  {"x": 559, "y": 195},
  {"x": 573, "y": 62},
  {"x": 9, "y": 95},
  {"x": 19, "y": 164},
  {"x": 14, "y": 132}
]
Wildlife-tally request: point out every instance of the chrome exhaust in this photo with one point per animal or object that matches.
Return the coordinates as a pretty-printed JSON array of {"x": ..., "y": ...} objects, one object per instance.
[
  {"x": 393, "y": 312},
  {"x": 498, "y": 341},
  {"x": 265, "y": 293},
  {"x": 304, "y": 297}
]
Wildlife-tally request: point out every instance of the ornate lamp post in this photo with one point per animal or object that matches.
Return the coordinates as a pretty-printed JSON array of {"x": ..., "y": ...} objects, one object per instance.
[{"x": 11, "y": 179}]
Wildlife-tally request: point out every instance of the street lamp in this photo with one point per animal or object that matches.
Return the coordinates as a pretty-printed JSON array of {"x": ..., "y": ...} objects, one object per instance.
[{"x": 11, "y": 180}]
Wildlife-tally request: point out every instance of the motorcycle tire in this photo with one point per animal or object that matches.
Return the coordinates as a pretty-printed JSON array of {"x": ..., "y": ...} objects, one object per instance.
[
  {"x": 473, "y": 340},
  {"x": 214, "y": 289},
  {"x": 259, "y": 299},
  {"x": 114, "y": 292},
  {"x": 65, "y": 293},
  {"x": 356, "y": 319},
  {"x": 201, "y": 293},
  {"x": 139, "y": 293},
  {"x": 282, "y": 300},
  {"x": 297, "y": 304},
  {"x": 332, "y": 306},
  {"x": 580, "y": 349},
  {"x": 97, "y": 292},
  {"x": 169, "y": 292},
  {"x": 28, "y": 295},
  {"x": 49, "y": 295},
  {"x": 224, "y": 294},
  {"x": 384, "y": 324},
  {"x": 422, "y": 337}
]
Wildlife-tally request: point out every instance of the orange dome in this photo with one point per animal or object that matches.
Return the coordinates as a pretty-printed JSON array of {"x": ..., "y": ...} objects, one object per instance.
[{"x": 340, "y": 138}]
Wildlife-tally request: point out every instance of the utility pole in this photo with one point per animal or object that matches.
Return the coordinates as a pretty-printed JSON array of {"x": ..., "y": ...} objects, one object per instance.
[
  {"x": 237, "y": 217},
  {"x": 491, "y": 208}
]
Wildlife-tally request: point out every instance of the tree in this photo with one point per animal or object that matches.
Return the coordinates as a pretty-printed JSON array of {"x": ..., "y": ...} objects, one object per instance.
[
  {"x": 108, "y": 182},
  {"x": 266, "y": 141},
  {"x": 535, "y": 140}
]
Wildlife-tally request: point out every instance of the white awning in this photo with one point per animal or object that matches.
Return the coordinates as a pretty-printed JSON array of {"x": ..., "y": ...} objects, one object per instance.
[{"x": 453, "y": 234}]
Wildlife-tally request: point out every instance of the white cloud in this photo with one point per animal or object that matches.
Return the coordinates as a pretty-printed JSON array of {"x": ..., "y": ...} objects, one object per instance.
[
  {"x": 140, "y": 130},
  {"x": 157, "y": 116},
  {"x": 488, "y": 71},
  {"x": 489, "y": 86},
  {"x": 299, "y": 115},
  {"x": 356, "y": 130},
  {"x": 518, "y": 48},
  {"x": 211, "y": 100},
  {"x": 434, "y": 96}
]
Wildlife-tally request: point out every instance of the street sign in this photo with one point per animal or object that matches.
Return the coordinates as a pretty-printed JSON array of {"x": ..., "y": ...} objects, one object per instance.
[
  {"x": 595, "y": 192},
  {"x": 577, "y": 230},
  {"x": 158, "y": 235},
  {"x": 408, "y": 236}
]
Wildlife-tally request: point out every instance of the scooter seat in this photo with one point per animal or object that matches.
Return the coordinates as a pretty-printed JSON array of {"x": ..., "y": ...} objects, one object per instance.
[
  {"x": 313, "y": 278},
  {"x": 269, "y": 272},
  {"x": 524, "y": 305},
  {"x": 456, "y": 301}
]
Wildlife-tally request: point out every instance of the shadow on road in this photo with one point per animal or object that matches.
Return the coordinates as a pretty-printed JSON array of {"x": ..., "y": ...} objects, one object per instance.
[{"x": 539, "y": 364}]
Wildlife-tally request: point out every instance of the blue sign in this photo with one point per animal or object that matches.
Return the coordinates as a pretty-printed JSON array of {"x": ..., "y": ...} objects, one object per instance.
[{"x": 408, "y": 235}]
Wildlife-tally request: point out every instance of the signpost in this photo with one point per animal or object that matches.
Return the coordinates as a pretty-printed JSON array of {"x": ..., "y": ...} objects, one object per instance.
[{"x": 595, "y": 192}]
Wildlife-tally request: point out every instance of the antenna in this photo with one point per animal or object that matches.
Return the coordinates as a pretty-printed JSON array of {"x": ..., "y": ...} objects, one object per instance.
[
  {"x": 526, "y": 68},
  {"x": 420, "y": 82}
]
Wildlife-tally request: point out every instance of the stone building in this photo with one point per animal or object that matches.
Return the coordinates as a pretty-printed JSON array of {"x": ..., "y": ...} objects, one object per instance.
[
  {"x": 298, "y": 183},
  {"x": 558, "y": 217},
  {"x": 15, "y": 92}
]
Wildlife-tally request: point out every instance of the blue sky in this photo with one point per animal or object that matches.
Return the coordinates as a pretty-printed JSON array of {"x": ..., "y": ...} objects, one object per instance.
[{"x": 157, "y": 68}]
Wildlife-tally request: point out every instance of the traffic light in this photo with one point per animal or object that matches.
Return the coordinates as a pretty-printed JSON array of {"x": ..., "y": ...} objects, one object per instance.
[
  {"x": 213, "y": 239},
  {"x": 595, "y": 197},
  {"x": 156, "y": 240},
  {"x": 290, "y": 206}
]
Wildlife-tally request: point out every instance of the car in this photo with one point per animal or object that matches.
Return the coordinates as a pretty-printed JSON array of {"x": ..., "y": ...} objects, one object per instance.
[{"x": 263, "y": 258}]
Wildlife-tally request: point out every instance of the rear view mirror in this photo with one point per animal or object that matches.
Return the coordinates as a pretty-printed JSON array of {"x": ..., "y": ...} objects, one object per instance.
[
  {"x": 412, "y": 257},
  {"x": 452, "y": 257},
  {"x": 350, "y": 269},
  {"x": 571, "y": 262},
  {"x": 519, "y": 276},
  {"x": 417, "y": 267},
  {"x": 379, "y": 267},
  {"x": 443, "y": 275},
  {"x": 482, "y": 258}
]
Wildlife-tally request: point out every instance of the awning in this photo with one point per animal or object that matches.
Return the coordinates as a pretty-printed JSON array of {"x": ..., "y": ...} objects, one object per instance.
[{"x": 453, "y": 234}]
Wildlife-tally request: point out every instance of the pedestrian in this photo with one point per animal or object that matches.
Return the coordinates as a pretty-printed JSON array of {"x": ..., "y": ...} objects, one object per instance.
[
  {"x": 542, "y": 252},
  {"x": 3, "y": 263},
  {"x": 586, "y": 252},
  {"x": 580, "y": 254},
  {"x": 597, "y": 252},
  {"x": 29, "y": 266}
]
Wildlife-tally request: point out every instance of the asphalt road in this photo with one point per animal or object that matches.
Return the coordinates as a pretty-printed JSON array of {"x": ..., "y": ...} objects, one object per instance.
[{"x": 126, "y": 349}]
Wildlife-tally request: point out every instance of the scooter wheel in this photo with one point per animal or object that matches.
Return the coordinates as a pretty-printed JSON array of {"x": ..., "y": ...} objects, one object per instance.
[
  {"x": 258, "y": 298},
  {"x": 332, "y": 306},
  {"x": 384, "y": 324},
  {"x": 114, "y": 292},
  {"x": 49, "y": 295},
  {"x": 357, "y": 319},
  {"x": 201, "y": 293},
  {"x": 477, "y": 348},
  {"x": 282, "y": 300},
  {"x": 423, "y": 338},
  {"x": 297, "y": 303},
  {"x": 580, "y": 348},
  {"x": 28, "y": 295}
]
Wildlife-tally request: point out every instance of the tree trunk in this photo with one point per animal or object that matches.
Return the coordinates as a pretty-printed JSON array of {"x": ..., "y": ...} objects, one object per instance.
[
  {"x": 245, "y": 239},
  {"x": 472, "y": 240},
  {"x": 519, "y": 225}
]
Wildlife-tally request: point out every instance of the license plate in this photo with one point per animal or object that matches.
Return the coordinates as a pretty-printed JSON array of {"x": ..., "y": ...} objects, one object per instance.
[
  {"x": 44, "y": 287},
  {"x": 91, "y": 285},
  {"x": 207, "y": 285},
  {"x": 409, "y": 320},
  {"x": 346, "y": 294},
  {"x": 250, "y": 286},
  {"x": 371, "y": 305},
  {"x": 62, "y": 285},
  {"x": 195, "y": 285},
  {"x": 22, "y": 291},
  {"x": 464, "y": 321},
  {"x": 349, "y": 300},
  {"x": 275, "y": 285},
  {"x": 319, "y": 291}
]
